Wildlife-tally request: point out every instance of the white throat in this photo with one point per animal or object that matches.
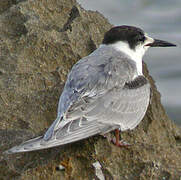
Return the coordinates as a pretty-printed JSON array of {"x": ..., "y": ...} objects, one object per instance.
[{"x": 135, "y": 55}]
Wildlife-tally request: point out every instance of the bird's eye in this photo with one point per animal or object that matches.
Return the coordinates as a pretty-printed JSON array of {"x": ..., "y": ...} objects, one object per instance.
[{"x": 141, "y": 38}]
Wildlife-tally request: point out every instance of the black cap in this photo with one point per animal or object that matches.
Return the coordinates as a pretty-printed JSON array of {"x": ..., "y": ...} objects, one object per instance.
[{"x": 130, "y": 34}]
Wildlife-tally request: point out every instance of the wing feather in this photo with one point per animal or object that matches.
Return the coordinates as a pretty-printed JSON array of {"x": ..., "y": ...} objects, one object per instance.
[{"x": 90, "y": 80}]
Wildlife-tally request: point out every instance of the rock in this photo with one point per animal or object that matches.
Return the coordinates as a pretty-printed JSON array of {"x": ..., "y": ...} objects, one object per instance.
[{"x": 39, "y": 43}]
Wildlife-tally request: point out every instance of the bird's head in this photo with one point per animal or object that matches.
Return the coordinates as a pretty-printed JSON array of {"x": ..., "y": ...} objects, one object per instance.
[{"x": 132, "y": 40}]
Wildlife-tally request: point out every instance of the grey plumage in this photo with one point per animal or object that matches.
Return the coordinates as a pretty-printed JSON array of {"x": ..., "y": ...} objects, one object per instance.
[{"x": 100, "y": 95}]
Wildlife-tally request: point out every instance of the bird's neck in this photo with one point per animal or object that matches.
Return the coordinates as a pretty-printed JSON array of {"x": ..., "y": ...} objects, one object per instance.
[{"x": 135, "y": 54}]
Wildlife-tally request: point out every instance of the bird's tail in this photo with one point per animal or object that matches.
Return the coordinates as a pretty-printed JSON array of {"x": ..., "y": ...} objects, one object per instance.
[
  {"x": 64, "y": 136},
  {"x": 30, "y": 145}
]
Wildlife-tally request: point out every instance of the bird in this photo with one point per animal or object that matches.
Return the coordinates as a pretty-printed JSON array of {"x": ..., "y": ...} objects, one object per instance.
[{"x": 105, "y": 91}]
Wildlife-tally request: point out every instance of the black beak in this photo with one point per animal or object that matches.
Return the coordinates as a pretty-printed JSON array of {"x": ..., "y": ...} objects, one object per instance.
[{"x": 160, "y": 43}]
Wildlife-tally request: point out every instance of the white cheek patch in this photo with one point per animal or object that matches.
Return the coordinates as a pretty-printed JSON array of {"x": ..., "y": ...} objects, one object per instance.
[{"x": 135, "y": 55}]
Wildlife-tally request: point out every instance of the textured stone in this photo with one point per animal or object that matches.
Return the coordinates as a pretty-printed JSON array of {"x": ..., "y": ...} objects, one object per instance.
[{"x": 40, "y": 40}]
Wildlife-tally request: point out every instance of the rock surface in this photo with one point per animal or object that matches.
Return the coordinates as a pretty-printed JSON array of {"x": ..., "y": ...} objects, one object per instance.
[{"x": 40, "y": 40}]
